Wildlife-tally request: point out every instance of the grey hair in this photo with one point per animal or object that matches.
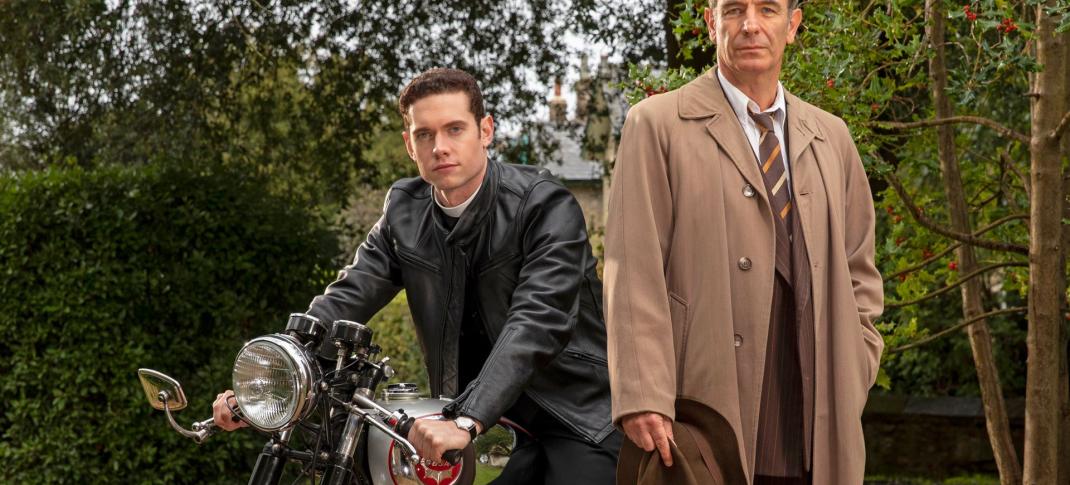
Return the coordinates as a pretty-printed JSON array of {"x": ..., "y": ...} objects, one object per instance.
[{"x": 792, "y": 4}]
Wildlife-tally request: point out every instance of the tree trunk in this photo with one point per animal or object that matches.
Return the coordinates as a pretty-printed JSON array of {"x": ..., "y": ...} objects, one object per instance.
[
  {"x": 1046, "y": 258},
  {"x": 1064, "y": 360},
  {"x": 998, "y": 425}
]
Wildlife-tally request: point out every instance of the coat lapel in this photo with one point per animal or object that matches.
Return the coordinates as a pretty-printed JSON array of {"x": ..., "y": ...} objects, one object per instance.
[
  {"x": 802, "y": 130},
  {"x": 805, "y": 174},
  {"x": 703, "y": 98}
]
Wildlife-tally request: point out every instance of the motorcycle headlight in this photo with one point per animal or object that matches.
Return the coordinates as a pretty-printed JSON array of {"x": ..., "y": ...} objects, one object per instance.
[{"x": 274, "y": 382}]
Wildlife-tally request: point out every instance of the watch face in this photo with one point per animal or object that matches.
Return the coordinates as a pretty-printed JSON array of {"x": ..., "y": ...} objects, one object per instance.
[{"x": 465, "y": 422}]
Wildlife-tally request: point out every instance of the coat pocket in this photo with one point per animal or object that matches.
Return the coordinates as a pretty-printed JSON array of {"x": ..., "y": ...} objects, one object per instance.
[
  {"x": 411, "y": 259},
  {"x": 681, "y": 326}
]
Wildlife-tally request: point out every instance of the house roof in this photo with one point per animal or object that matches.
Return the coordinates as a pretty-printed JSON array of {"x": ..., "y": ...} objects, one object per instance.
[{"x": 566, "y": 162}]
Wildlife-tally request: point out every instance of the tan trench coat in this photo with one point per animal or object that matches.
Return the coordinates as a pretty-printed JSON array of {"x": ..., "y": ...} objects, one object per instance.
[{"x": 689, "y": 270}]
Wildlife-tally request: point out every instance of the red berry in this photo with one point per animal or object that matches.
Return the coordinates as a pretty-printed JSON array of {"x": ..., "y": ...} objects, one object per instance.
[
  {"x": 898, "y": 219},
  {"x": 903, "y": 277},
  {"x": 696, "y": 31},
  {"x": 926, "y": 254},
  {"x": 953, "y": 266},
  {"x": 890, "y": 210},
  {"x": 971, "y": 16},
  {"x": 1007, "y": 26},
  {"x": 830, "y": 82}
]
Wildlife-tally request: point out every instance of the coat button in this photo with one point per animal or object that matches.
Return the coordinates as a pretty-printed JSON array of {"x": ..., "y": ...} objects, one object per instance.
[
  {"x": 738, "y": 340},
  {"x": 748, "y": 191},
  {"x": 744, "y": 263}
]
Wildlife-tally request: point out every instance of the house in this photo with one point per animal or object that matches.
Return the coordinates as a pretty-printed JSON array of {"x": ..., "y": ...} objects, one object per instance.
[{"x": 580, "y": 150}]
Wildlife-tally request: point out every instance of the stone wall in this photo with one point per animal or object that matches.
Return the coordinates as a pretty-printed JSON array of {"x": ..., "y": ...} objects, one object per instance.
[
  {"x": 934, "y": 437},
  {"x": 589, "y": 195}
]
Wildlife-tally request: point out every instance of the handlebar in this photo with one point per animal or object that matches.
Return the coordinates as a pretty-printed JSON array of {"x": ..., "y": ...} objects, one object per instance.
[
  {"x": 201, "y": 430},
  {"x": 453, "y": 457}
]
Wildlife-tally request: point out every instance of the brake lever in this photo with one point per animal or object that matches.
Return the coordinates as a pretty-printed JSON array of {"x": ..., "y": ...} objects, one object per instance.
[{"x": 371, "y": 419}]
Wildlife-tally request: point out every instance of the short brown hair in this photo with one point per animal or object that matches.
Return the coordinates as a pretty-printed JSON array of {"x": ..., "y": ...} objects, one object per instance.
[{"x": 441, "y": 81}]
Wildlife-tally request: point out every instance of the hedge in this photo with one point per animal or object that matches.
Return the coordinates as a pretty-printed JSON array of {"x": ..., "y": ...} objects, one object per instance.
[{"x": 106, "y": 271}]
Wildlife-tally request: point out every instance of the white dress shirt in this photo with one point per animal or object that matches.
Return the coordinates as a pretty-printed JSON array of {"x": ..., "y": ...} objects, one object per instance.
[{"x": 741, "y": 104}]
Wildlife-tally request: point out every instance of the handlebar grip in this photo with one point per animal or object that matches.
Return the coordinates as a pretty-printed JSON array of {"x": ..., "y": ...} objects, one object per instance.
[
  {"x": 404, "y": 425},
  {"x": 208, "y": 424},
  {"x": 453, "y": 457}
]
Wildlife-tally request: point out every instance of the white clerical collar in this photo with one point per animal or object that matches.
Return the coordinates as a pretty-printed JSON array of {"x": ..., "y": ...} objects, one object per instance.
[
  {"x": 741, "y": 104},
  {"x": 456, "y": 211}
]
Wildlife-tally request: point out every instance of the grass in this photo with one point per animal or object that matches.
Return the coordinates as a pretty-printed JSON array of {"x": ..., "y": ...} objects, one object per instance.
[{"x": 484, "y": 474}]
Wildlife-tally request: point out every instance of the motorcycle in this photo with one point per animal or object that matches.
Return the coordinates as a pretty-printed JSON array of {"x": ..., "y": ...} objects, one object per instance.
[{"x": 280, "y": 387}]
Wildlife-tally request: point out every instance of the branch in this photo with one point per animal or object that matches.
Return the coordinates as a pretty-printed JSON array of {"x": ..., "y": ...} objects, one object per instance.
[
  {"x": 924, "y": 263},
  {"x": 1058, "y": 131},
  {"x": 929, "y": 224},
  {"x": 956, "y": 284},
  {"x": 941, "y": 254},
  {"x": 1025, "y": 180},
  {"x": 964, "y": 323},
  {"x": 1002, "y": 130}
]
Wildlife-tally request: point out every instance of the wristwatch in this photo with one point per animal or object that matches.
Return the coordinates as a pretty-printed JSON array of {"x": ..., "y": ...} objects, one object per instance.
[{"x": 467, "y": 424}]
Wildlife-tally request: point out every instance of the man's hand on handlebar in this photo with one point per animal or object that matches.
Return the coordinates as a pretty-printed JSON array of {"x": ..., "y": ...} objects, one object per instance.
[
  {"x": 221, "y": 413},
  {"x": 433, "y": 437}
]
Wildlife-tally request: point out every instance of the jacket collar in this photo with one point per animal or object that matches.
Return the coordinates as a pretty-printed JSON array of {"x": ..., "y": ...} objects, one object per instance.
[
  {"x": 703, "y": 98},
  {"x": 467, "y": 227}
]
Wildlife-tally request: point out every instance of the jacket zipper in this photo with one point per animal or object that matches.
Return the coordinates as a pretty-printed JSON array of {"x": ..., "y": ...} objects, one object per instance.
[{"x": 587, "y": 357}]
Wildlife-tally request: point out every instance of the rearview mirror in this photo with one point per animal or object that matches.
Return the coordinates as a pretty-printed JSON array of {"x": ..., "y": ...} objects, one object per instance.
[{"x": 159, "y": 387}]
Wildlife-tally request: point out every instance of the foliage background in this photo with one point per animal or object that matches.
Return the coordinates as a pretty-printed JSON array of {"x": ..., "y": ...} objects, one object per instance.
[
  {"x": 179, "y": 169},
  {"x": 109, "y": 270}
]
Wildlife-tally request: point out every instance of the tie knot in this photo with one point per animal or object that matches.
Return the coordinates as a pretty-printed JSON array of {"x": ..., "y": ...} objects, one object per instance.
[{"x": 763, "y": 120}]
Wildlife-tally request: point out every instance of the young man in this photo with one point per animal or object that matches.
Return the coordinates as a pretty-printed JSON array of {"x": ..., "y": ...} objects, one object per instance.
[
  {"x": 741, "y": 287},
  {"x": 502, "y": 287}
]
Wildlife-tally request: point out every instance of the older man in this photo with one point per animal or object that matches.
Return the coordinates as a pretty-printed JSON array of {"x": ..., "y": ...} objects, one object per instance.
[{"x": 740, "y": 283}]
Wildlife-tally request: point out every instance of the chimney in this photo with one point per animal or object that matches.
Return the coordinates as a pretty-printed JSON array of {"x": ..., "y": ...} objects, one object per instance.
[
  {"x": 558, "y": 105},
  {"x": 583, "y": 90}
]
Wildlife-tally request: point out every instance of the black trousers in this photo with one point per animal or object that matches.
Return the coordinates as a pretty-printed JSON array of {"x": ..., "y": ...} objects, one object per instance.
[{"x": 555, "y": 455}]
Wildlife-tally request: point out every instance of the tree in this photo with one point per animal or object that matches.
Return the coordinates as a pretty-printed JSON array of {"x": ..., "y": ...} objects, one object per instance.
[{"x": 297, "y": 87}]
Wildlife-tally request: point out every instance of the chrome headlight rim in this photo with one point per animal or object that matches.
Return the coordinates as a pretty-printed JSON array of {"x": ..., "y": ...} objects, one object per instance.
[{"x": 307, "y": 377}]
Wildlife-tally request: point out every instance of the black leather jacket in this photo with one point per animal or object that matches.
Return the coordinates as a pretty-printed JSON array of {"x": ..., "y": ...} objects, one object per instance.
[{"x": 524, "y": 241}]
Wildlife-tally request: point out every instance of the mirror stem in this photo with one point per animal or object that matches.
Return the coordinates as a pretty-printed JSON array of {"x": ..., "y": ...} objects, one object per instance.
[{"x": 204, "y": 429}]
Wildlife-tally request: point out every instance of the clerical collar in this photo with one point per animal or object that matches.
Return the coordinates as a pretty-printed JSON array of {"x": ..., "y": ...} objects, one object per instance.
[{"x": 456, "y": 211}]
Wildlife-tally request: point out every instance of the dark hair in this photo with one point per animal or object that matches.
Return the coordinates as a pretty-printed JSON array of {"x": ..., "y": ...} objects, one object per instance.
[
  {"x": 792, "y": 4},
  {"x": 441, "y": 81}
]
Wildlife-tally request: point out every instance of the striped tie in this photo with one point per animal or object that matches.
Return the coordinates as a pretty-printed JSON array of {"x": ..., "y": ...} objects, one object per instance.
[{"x": 776, "y": 185}]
